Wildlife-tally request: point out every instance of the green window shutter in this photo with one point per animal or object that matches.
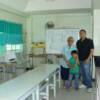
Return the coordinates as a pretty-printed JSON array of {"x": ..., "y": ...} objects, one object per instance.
[{"x": 2, "y": 26}]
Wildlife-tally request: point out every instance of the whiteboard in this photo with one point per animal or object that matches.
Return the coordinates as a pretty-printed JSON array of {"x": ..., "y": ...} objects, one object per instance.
[{"x": 56, "y": 39}]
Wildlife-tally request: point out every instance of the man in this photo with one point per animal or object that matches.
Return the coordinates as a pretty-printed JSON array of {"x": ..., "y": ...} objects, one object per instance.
[{"x": 85, "y": 48}]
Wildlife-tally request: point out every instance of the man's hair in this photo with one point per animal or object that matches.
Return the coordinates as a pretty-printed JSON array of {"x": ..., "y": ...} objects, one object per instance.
[
  {"x": 74, "y": 52},
  {"x": 83, "y": 30}
]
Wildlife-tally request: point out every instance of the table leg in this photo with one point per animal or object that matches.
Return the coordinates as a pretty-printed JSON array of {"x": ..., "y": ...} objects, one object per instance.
[
  {"x": 59, "y": 78},
  {"x": 54, "y": 77},
  {"x": 4, "y": 73},
  {"x": 33, "y": 96},
  {"x": 47, "y": 91},
  {"x": 37, "y": 93}
]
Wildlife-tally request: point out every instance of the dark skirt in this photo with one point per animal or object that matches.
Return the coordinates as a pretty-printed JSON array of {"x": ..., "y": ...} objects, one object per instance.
[{"x": 64, "y": 73}]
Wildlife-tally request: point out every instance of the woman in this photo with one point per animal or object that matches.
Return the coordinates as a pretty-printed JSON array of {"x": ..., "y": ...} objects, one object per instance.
[{"x": 66, "y": 55}]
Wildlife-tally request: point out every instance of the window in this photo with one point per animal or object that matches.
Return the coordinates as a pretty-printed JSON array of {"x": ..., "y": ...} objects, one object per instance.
[
  {"x": 8, "y": 47},
  {"x": 14, "y": 47},
  {"x": 11, "y": 37}
]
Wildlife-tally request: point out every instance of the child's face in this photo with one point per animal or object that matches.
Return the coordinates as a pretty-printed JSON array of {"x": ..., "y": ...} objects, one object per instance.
[{"x": 75, "y": 56}]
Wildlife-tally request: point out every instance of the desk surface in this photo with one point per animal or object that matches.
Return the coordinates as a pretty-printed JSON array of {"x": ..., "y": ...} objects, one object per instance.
[
  {"x": 98, "y": 78},
  {"x": 16, "y": 88},
  {"x": 98, "y": 83}
]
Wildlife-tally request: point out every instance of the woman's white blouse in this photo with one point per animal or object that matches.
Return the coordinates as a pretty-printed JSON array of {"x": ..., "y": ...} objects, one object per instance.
[{"x": 66, "y": 50}]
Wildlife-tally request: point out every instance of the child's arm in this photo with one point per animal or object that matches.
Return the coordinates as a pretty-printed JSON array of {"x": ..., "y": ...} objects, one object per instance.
[{"x": 75, "y": 65}]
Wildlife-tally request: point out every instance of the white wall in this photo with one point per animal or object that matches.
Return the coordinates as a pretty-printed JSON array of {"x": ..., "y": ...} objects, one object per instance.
[
  {"x": 97, "y": 31},
  {"x": 37, "y": 23},
  {"x": 96, "y": 4},
  {"x": 60, "y": 20},
  {"x": 29, "y": 33},
  {"x": 6, "y": 15},
  {"x": 96, "y": 35}
]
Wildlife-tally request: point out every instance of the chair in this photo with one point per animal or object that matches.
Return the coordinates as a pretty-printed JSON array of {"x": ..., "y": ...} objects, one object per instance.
[
  {"x": 22, "y": 62},
  {"x": 2, "y": 67},
  {"x": 10, "y": 63}
]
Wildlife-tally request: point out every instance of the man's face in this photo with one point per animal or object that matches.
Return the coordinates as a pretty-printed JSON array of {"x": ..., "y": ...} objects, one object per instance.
[{"x": 82, "y": 34}]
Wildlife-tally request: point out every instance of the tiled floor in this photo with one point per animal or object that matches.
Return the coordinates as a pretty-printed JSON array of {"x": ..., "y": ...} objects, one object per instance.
[
  {"x": 72, "y": 94},
  {"x": 63, "y": 94}
]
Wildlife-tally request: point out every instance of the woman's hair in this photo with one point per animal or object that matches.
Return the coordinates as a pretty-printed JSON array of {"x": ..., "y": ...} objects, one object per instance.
[
  {"x": 74, "y": 52},
  {"x": 70, "y": 38}
]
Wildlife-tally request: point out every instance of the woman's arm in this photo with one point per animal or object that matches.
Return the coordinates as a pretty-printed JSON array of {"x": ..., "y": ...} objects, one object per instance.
[{"x": 66, "y": 60}]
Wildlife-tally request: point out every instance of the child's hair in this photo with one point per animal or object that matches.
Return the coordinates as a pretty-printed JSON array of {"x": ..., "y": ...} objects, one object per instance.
[{"x": 74, "y": 52}]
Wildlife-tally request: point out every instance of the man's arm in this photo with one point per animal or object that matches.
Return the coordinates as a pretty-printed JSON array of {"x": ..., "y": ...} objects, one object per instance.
[
  {"x": 90, "y": 56},
  {"x": 91, "y": 51}
]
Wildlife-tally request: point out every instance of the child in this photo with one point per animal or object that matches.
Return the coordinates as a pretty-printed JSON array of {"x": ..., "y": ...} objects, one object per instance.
[{"x": 74, "y": 70}]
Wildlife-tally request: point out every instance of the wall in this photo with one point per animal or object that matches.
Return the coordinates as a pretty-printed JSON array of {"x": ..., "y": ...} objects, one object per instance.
[
  {"x": 97, "y": 31},
  {"x": 36, "y": 30},
  {"x": 60, "y": 20},
  {"x": 37, "y": 24},
  {"x": 11, "y": 16},
  {"x": 96, "y": 35},
  {"x": 96, "y": 4}
]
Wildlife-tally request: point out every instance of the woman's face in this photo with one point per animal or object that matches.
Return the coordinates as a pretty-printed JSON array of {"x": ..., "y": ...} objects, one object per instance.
[{"x": 70, "y": 42}]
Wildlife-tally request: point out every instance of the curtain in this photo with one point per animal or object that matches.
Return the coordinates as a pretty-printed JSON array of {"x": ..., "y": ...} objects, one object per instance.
[{"x": 10, "y": 33}]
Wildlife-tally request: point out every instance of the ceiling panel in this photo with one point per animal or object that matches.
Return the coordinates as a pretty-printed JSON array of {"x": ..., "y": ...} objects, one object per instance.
[
  {"x": 16, "y": 4},
  {"x": 38, "y": 5},
  {"x": 45, "y": 5}
]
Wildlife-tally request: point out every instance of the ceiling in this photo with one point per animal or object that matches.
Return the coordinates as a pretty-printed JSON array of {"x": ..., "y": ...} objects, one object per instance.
[
  {"x": 37, "y": 5},
  {"x": 16, "y": 4},
  {"x": 45, "y": 5}
]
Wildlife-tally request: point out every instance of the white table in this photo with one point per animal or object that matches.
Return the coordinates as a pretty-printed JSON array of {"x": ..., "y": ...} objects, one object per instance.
[
  {"x": 98, "y": 83},
  {"x": 24, "y": 85}
]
